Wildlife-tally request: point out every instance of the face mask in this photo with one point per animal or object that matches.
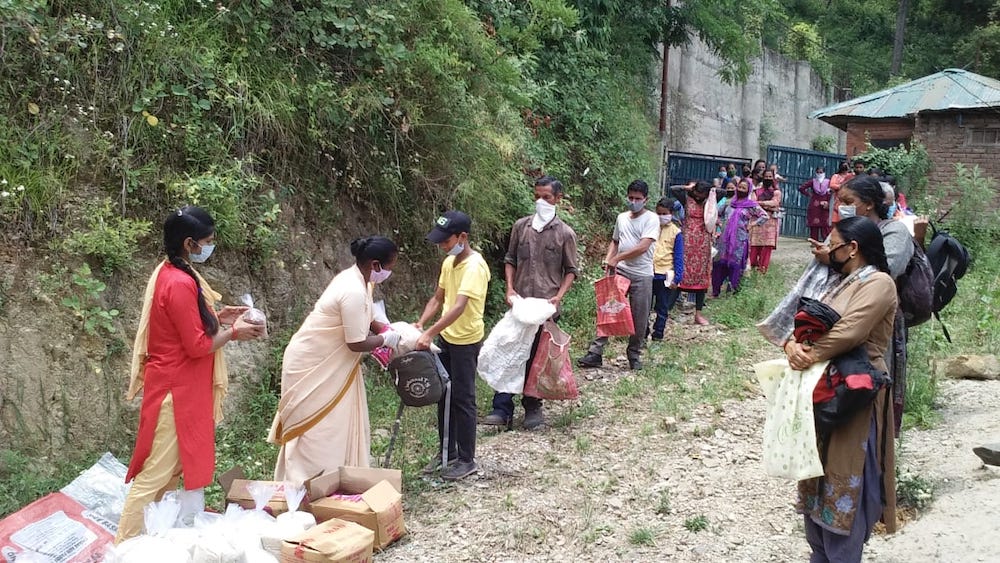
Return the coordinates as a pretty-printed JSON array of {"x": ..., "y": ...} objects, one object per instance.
[
  {"x": 206, "y": 251},
  {"x": 730, "y": 193},
  {"x": 846, "y": 211},
  {"x": 666, "y": 219},
  {"x": 892, "y": 210},
  {"x": 545, "y": 210},
  {"x": 837, "y": 265},
  {"x": 768, "y": 183},
  {"x": 456, "y": 250},
  {"x": 380, "y": 276},
  {"x": 722, "y": 174},
  {"x": 636, "y": 206},
  {"x": 820, "y": 177}
]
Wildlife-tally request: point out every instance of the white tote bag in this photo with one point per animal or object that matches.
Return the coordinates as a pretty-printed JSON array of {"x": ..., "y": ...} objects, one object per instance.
[{"x": 789, "y": 428}]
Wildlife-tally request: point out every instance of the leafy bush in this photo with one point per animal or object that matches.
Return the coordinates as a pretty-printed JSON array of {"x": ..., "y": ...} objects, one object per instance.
[
  {"x": 86, "y": 303},
  {"x": 109, "y": 238},
  {"x": 976, "y": 225},
  {"x": 909, "y": 166}
]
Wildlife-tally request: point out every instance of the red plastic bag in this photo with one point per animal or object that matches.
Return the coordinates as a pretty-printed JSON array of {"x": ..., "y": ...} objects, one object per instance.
[
  {"x": 614, "y": 314},
  {"x": 551, "y": 373}
]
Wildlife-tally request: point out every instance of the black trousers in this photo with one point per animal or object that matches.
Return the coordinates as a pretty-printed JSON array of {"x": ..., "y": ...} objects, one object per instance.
[{"x": 460, "y": 360}]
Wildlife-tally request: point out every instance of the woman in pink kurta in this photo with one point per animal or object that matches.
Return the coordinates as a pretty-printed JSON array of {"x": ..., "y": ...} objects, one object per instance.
[
  {"x": 764, "y": 237},
  {"x": 700, "y": 215}
]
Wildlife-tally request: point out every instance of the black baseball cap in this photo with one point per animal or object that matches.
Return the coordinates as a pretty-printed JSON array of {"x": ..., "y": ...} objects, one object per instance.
[{"x": 448, "y": 224}]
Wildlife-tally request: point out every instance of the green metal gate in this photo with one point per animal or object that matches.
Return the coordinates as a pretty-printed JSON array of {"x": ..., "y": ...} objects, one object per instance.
[{"x": 797, "y": 166}]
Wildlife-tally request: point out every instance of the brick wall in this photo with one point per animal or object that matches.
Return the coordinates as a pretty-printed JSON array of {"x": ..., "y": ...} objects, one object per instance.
[
  {"x": 858, "y": 132},
  {"x": 948, "y": 138}
]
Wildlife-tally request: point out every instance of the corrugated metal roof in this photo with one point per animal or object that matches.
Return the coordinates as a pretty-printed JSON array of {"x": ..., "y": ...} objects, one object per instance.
[{"x": 950, "y": 89}]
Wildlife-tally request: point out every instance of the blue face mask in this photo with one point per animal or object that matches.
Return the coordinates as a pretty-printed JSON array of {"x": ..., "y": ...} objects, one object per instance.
[
  {"x": 206, "y": 251},
  {"x": 892, "y": 210},
  {"x": 456, "y": 250}
]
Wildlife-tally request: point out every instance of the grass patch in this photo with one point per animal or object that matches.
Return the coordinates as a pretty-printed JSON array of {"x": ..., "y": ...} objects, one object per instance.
[
  {"x": 663, "y": 507},
  {"x": 696, "y": 523},
  {"x": 642, "y": 537}
]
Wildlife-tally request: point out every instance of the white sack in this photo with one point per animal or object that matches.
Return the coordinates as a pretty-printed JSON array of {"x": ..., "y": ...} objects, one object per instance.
[{"x": 504, "y": 355}]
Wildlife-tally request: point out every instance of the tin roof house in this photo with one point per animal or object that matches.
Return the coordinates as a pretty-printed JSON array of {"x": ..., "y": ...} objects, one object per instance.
[{"x": 954, "y": 113}]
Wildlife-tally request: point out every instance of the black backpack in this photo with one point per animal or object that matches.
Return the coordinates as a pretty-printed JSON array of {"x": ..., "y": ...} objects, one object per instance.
[
  {"x": 915, "y": 288},
  {"x": 949, "y": 262}
]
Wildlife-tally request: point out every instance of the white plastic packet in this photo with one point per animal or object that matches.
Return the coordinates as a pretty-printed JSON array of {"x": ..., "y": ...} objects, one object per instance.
[
  {"x": 378, "y": 312},
  {"x": 261, "y": 493},
  {"x": 253, "y": 315},
  {"x": 192, "y": 504},
  {"x": 161, "y": 516}
]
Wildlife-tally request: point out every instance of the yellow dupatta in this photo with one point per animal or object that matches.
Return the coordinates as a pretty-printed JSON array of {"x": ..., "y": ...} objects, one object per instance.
[{"x": 220, "y": 372}]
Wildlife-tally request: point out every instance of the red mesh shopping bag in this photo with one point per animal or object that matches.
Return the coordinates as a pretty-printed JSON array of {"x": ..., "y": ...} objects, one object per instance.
[
  {"x": 551, "y": 373},
  {"x": 614, "y": 315}
]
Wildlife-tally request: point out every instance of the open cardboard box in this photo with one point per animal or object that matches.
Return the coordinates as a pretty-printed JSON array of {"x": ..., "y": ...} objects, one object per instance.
[
  {"x": 234, "y": 482},
  {"x": 333, "y": 541},
  {"x": 368, "y": 496}
]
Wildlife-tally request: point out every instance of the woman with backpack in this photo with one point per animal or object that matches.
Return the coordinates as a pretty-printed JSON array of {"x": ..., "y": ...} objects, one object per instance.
[
  {"x": 864, "y": 196},
  {"x": 843, "y": 505},
  {"x": 322, "y": 418}
]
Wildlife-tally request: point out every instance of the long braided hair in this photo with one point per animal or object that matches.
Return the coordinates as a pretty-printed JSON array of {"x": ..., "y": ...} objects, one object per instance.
[{"x": 195, "y": 223}]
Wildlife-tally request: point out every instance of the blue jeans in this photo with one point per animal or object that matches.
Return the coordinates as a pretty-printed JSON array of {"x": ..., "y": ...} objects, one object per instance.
[{"x": 663, "y": 301}]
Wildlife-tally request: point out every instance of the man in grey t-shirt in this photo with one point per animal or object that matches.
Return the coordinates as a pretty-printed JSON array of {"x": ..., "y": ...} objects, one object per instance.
[{"x": 630, "y": 254}]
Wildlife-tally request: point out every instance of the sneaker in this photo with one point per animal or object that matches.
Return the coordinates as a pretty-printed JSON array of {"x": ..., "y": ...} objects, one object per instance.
[
  {"x": 434, "y": 465},
  {"x": 533, "y": 419},
  {"x": 496, "y": 418},
  {"x": 590, "y": 360},
  {"x": 635, "y": 364},
  {"x": 459, "y": 470}
]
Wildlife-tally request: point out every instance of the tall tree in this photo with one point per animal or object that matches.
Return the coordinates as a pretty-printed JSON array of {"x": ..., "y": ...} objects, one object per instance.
[{"x": 902, "y": 11}]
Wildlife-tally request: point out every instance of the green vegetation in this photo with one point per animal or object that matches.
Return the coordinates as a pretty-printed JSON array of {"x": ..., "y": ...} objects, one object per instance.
[
  {"x": 696, "y": 523},
  {"x": 851, "y": 41},
  {"x": 86, "y": 304}
]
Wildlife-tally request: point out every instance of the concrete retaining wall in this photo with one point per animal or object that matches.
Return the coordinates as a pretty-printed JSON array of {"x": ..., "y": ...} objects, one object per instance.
[{"x": 708, "y": 116}]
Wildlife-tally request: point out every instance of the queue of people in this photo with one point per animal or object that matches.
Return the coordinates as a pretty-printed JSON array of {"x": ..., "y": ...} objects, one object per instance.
[{"x": 322, "y": 421}]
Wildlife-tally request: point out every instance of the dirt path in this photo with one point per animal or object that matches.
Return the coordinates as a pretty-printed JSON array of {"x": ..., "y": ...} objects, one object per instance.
[{"x": 612, "y": 479}]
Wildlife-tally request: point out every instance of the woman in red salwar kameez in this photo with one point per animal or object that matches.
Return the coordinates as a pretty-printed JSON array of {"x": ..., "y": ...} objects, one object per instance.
[{"x": 177, "y": 362}]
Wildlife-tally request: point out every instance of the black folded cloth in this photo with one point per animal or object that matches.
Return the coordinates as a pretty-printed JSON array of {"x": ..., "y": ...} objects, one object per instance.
[{"x": 813, "y": 319}]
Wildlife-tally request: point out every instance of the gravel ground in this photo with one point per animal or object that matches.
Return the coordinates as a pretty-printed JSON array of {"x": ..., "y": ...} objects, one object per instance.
[{"x": 616, "y": 481}]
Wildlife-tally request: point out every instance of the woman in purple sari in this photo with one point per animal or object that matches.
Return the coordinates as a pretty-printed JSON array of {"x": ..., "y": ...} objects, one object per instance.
[{"x": 734, "y": 245}]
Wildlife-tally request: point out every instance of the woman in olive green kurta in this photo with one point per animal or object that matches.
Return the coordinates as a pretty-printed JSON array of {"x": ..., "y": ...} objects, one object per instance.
[{"x": 841, "y": 506}]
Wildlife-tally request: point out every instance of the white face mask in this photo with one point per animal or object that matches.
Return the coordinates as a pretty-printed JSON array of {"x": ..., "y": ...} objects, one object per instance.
[
  {"x": 206, "y": 251},
  {"x": 544, "y": 211},
  {"x": 666, "y": 219},
  {"x": 847, "y": 211},
  {"x": 381, "y": 275},
  {"x": 821, "y": 176}
]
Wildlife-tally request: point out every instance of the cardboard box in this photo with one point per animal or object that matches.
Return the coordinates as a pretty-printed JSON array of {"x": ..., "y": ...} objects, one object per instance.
[
  {"x": 235, "y": 485},
  {"x": 362, "y": 495},
  {"x": 57, "y": 526},
  {"x": 333, "y": 541}
]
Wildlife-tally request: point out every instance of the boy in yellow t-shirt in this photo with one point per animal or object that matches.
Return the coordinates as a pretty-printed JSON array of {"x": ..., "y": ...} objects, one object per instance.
[{"x": 461, "y": 295}]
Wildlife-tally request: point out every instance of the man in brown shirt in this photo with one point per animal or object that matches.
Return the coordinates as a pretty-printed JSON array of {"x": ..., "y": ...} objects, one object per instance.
[{"x": 541, "y": 262}]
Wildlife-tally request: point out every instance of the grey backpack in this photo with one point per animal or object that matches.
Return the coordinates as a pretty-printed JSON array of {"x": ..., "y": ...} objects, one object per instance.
[{"x": 420, "y": 380}]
